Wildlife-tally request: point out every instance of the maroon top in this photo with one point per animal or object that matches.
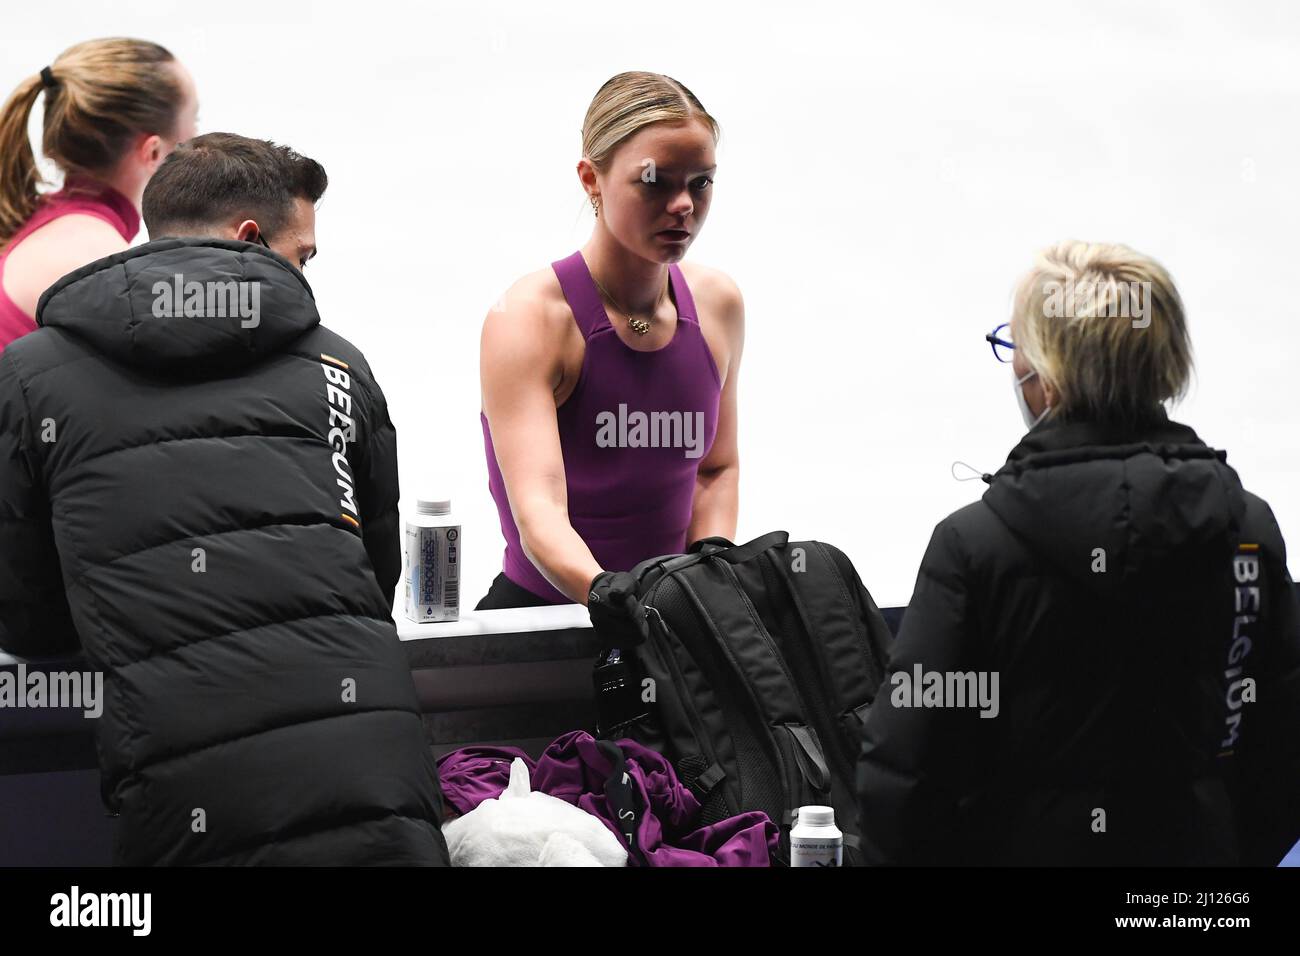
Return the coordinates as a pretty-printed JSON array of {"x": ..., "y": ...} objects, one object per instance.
[
  {"x": 81, "y": 195},
  {"x": 633, "y": 434}
]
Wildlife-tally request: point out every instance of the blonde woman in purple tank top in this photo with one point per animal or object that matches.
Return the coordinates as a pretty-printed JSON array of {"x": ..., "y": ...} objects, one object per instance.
[
  {"x": 609, "y": 378},
  {"x": 114, "y": 109}
]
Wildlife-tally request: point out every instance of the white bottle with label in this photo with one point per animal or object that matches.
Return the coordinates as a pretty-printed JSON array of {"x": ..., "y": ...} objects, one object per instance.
[
  {"x": 433, "y": 560},
  {"x": 815, "y": 840}
]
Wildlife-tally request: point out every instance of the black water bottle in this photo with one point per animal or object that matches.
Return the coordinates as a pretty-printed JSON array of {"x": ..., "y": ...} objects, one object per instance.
[{"x": 618, "y": 693}]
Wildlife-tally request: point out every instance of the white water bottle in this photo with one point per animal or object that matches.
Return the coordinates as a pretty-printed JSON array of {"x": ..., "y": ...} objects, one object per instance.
[
  {"x": 815, "y": 840},
  {"x": 433, "y": 559}
]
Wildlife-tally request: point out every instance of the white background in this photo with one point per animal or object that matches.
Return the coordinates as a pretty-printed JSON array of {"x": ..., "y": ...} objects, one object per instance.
[{"x": 886, "y": 173}]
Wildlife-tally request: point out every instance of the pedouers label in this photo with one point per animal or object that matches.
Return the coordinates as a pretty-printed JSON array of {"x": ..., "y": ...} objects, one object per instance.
[{"x": 432, "y": 574}]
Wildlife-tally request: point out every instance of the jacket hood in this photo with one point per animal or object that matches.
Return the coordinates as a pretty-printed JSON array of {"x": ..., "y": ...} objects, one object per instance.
[
  {"x": 1147, "y": 496},
  {"x": 184, "y": 306}
]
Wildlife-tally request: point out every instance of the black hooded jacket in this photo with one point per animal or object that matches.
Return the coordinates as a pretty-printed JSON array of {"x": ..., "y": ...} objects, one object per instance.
[
  {"x": 207, "y": 506},
  {"x": 1096, "y": 578}
]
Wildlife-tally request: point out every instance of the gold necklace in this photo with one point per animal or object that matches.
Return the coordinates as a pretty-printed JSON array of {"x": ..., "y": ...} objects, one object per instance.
[{"x": 639, "y": 326}]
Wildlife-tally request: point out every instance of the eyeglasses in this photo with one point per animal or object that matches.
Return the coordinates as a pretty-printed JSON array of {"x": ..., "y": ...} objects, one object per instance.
[{"x": 1000, "y": 341}]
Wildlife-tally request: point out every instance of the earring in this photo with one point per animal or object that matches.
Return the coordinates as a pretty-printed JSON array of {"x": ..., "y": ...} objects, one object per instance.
[{"x": 595, "y": 204}]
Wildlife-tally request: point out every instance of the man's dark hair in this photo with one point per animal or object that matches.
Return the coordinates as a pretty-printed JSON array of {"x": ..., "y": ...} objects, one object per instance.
[{"x": 219, "y": 177}]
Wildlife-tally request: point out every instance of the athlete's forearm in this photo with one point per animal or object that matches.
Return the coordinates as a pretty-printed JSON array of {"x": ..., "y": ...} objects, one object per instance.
[
  {"x": 716, "y": 508},
  {"x": 558, "y": 552}
]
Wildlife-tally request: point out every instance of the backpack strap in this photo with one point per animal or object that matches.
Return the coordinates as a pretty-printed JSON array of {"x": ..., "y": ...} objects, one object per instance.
[
  {"x": 650, "y": 570},
  {"x": 740, "y": 553},
  {"x": 710, "y": 545},
  {"x": 622, "y": 798},
  {"x": 839, "y": 638},
  {"x": 733, "y": 625},
  {"x": 703, "y": 783},
  {"x": 812, "y": 762}
]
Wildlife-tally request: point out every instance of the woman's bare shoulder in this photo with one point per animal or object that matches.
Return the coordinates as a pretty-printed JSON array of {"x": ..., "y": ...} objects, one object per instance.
[
  {"x": 530, "y": 328},
  {"x": 535, "y": 298},
  {"x": 716, "y": 294},
  {"x": 60, "y": 246}
]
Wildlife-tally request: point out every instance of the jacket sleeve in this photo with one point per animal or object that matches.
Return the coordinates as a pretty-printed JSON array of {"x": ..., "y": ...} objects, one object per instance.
[
  {"x": 916, "y": 763},
  {"x": 378, "y": 494},
  {"x": 34, "y": 617},
  {"x": 1268, "y": 796}
]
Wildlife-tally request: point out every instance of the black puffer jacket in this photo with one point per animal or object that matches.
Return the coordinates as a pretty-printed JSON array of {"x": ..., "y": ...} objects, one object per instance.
[
  {"x": 1113, "y": 741},
  {"x": 217, "y": 499}
]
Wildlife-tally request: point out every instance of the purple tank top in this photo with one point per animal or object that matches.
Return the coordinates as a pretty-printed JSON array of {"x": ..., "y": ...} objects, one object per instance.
[{"x": 633, "y": 434}]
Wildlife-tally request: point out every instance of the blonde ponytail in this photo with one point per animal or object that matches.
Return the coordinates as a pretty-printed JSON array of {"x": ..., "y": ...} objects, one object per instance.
[
  {"x": 18, "y": 173},
  {"x": 98, "y": 95}
]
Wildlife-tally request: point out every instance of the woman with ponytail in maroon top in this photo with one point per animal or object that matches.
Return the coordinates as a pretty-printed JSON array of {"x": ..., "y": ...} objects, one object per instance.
[{"x": 114, "y": 109}]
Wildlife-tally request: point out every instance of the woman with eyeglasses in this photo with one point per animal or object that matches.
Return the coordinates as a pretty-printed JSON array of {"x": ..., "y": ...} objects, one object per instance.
[
  {"x": 1100, "y": 663},
  {"x": 113, "y": 111},
  {"x": 609, "y": 378}
]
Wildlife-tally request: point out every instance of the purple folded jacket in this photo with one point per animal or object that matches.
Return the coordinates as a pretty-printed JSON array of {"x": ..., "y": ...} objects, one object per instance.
[{"x": 574, "y": 769}]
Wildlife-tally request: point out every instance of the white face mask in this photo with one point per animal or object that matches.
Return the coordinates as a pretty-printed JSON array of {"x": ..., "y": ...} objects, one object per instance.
[{"x": 1025, "y": 413}]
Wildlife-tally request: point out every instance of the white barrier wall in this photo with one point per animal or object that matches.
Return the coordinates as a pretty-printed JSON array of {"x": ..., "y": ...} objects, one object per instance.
[{"x": 885, "y": 174}]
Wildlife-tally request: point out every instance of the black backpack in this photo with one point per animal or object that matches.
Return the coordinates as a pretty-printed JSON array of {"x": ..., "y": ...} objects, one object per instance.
[{"x": 762, "y": 661}]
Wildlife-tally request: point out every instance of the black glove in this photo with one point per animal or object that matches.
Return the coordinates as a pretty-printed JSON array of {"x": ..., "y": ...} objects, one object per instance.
[{"x": 616, "y": 610}]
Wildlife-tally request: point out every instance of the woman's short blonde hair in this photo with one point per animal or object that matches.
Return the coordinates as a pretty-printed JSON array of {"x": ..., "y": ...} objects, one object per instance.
[
  {"x": 627, "y": 103},
  {"x": 1104, "y": 325}
]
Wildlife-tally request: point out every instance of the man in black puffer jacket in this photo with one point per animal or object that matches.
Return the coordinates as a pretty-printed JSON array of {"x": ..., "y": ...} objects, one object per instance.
[
  {"x": 1123, "y": 587},
  {"x": 198, "y": 488}
]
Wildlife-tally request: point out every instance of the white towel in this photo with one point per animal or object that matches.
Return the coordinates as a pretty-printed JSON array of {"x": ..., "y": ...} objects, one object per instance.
[{"x": 526, "y": 828}]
